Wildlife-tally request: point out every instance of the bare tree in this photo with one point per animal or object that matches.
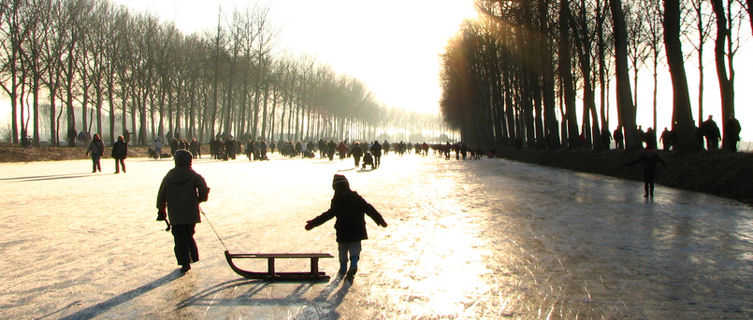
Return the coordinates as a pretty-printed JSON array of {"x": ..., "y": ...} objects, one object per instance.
[
  {"x": 682, "y": 117},
  {"x": 625, "y": 106},
  {"x": 703, "y": 31},
  {"x": 727, "y": 18}
]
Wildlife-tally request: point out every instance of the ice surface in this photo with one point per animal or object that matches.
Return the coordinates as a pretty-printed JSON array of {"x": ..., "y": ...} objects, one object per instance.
[{"x": 485, "y": 239}]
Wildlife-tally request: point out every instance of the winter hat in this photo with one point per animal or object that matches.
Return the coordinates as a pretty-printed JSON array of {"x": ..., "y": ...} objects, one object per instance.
[
  {"x": 339, "y": 179},
  {"x": 183, "y": 158}
]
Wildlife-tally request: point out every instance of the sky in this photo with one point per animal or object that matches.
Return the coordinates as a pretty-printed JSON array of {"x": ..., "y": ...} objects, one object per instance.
[{"x": 393, "y": 46}]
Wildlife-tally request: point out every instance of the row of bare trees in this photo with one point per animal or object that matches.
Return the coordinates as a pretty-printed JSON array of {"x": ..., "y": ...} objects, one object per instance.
[
  {"x": 93, "y": 61},
  {"x": 520, "y": 69}
]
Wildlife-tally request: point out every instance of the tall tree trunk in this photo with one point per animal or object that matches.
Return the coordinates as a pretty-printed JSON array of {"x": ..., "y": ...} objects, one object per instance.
[
  {"x": 625, "y": 107},
  {"x": 681, "y": 98},
  {"x": 565, "y": 70},
  {"x": 720, "y": 54},
  {"x": 264, "y": 111},
  {"x": 601, "y": 48}
]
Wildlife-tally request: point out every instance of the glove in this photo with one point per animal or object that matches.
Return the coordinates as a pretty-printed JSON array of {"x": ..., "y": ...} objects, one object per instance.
[{"x": 161, "y": 215}]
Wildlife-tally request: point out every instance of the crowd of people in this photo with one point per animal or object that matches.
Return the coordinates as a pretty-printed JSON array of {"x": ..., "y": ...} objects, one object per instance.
[{"x": 707, "y": 136}]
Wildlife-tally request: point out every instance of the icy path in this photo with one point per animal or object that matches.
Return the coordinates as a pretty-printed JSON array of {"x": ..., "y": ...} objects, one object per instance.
[{"x": 467, "y": 239}]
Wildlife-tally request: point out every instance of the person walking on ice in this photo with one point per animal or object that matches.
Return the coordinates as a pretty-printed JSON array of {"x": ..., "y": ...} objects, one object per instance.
[
  {"x": 180, "y": 193},
  {"x": 119, "y": 153},
  {"x": 96, "y": 149},
  {"x": 348, "y": 209},
  {"x": 649, "y": 159}
]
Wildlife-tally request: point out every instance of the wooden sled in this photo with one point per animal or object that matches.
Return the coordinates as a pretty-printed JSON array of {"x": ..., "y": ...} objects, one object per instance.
[{"x": 271, "y": 275}]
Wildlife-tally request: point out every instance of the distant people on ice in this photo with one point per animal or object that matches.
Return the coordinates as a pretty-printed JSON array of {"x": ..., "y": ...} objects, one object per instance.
[
  {"x": 156, "y": 149},
  {"x": 180, "y": 193},
  {"x": 376, "y": 150},
  {"x": 648, "y": 159},
  {"x": 195, "y": 148},
  {"x": 368, "y": 160},
  {"x": 348, "y": 209},
  {"x": 96, "y": 149},
  {"x": 119, "y": 153},
  {"x": 357, "y": 153}
]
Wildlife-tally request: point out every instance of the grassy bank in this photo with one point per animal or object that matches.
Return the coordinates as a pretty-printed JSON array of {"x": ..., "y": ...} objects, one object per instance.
[{"x": 720, "y": 173}]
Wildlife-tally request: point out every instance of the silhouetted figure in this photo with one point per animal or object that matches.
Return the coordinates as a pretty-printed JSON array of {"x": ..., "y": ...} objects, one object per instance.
[
  {"x": 619, "y": 138},
  {"x": 173, "y": 145},
  {"x": 650, "y": 138},
  {"x": 263, "y": 150},
  {"x": 348, "y": 208},
  {"x": 250, "y": 150},
  {"x": 357, "y": 152},
  {"x": 71, "y": 136},
  {"x": 119, "y": 153},
  {"x": 666, "y": 139},
  {"x": 368, "y": 160},
  {"x": 96, "y": 149},
  {"x": 731, "y": 134},
  {"x": 156, "y": 149},
  {"x": 606, "y": 138},
  {"x": 195, "y": 148},
  {"x": 711, "y": 132},
  {"x": 376, "y": 149},
  {"x": 641, "y": 135},
  {"x": 331, "y": 146},
  {"x": 649, "y": 159},
  {"x": 178, "y": 199},
  {"x": 229, "y": 148}
]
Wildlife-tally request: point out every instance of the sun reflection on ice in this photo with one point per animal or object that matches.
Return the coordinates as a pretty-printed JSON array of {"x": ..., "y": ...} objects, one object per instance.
[{"x": 450, "y": 267}]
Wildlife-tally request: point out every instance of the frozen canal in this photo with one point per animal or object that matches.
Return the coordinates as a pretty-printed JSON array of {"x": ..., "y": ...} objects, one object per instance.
[{"x": 485, "y": 239}]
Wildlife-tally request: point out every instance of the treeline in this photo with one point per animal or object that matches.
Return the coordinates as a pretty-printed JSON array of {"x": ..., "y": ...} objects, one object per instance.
[
  {"x": 514, "y": 75},
  {"x": 97, "y": 67}
]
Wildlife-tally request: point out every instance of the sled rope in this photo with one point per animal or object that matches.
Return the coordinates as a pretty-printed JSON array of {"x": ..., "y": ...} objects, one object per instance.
[{"x": 213, "y": 229}]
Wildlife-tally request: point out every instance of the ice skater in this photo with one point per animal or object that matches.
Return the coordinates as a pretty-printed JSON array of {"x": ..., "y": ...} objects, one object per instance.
[
  {"x": 96, "y": 149},
  {"x": 180, "y": 193},
  {"x": 348, "y": 208},
  {"x": 649, "y": 159},
  {"x": 119, "y": 153}
]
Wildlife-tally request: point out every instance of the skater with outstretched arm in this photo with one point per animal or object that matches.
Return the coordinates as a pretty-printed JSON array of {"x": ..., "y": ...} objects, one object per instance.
[
  {"x": 178, "y": 199},
  {"x": 348, "y": 209},
  {"x": 649, "y": 159}
]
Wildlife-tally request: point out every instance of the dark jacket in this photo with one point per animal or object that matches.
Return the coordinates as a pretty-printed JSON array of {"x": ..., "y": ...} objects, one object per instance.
[
  {"x": 349, "y": 208},
  {"x": 119, "y": 150},
  {"x": 96, "y": 148},
  {"x": 181, "y": 191},
  {"x": 649, "y": 159}
]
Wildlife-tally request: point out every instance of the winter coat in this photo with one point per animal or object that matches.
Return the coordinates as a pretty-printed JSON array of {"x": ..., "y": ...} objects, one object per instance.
[
  {"x": 181, "y": 191},
  {"x": 348, "y": 209},
  {"x": 96, "y": 148},
  {"x": 119, "y": 150},
  {"x": 649, "y": 159}
]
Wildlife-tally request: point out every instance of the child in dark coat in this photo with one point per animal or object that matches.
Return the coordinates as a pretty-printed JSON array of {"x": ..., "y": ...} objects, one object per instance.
[
  {"x": 348, "y": 209},
  {"x": 178, "y": 200}
]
